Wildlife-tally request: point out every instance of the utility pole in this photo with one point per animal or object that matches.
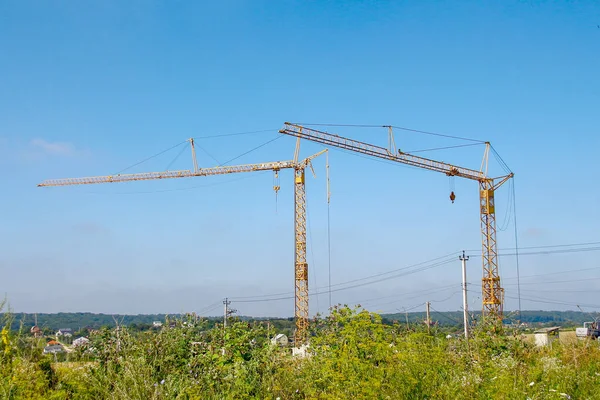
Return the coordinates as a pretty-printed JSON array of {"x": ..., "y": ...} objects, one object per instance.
[
  {"x": 464, "y": 259},
  {"x": 227, "y": 311},
  {"x": 226, "y": 304},
  {"x": 428, "y": 319}
]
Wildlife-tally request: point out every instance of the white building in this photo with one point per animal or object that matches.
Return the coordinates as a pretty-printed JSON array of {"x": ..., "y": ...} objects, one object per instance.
[
  {"x": 280, "y": 339},
  {"x": 53, "y": 349},
  {"x": 66, "y": 332},
  {"x": 81, "y": 341},
  {"x": 545, "y": 336}
]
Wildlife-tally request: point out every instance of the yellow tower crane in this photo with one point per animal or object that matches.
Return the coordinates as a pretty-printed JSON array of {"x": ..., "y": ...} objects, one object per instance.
[
  {"x": 492, "y": 292},
  {"x": 300, "y": 263}
]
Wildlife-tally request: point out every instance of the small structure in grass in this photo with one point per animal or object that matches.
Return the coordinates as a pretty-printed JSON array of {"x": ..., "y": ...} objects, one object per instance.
[{"x": 545, "y": 336}]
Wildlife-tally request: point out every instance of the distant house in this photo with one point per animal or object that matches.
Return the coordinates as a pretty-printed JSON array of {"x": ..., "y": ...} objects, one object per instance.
[
  {"x": 53, "y": 349},
  {"x": 36, "y": 331},
  {"x": 81, "y": 341},
  {"x": 280, "y": 339},
  {"x": 156, "y": 324},
  {"x": 66, "y": 332}
]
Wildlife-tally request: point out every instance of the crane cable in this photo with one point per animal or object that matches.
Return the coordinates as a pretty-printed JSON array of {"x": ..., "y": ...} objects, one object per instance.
[
  {"x": 312, "y": 255},
  {"x": 328, "y": 227},
  {"x": 177, "y": 156},
  {"x": 516, "y": 246},
  {"x": 395, "y": 127},
  {"x": 251, "y": 150},
  {"x": 151, "y": 157}
]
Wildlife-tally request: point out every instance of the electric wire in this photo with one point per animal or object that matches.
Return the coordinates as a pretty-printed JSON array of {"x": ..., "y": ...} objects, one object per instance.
[
  {"x": 406, "y": 309},
  {"x": 424, "y": 293},
  {"x": 447, "y": 298},
  {"x": 550, "y": 252},
  {"x": 543, "y": 252},
  {"x": 550, "y": 301},
  {"x": 555, "y": 282},
  {"x": 364, "y": 278},
  {"x": 558, "y": 291},
  {"x": 446, "y": 316},
  {"x": 401, "y": 295},
  {"x": 257, "y": 299},
  {"x": 209, "y": 308},
  {"x": 555, "y": 273},
  {"x": 547, "y": 246}
]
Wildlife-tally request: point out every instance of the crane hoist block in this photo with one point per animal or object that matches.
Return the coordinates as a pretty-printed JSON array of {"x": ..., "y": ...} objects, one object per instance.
[{"x": 487, "y": 201}]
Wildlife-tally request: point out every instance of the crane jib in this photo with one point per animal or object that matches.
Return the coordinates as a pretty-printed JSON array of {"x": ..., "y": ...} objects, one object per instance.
[{"x": 380, "y": 152}]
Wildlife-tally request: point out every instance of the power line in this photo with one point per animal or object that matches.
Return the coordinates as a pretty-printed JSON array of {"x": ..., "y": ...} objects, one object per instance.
[
  {"x": 389, "y": 274},
  {"x": 550, "y": 301},
  {"x": 441, "y": 288},
  {"x": 553, "y": 282},
  {"x": 365, "y": 278},
  {"x": 209, "y": 308},
  {"x": 431, "y": 301},
  {"x": 559, "y": 291},
  {"x": 447, "y": 317},
  {"x": 556, "y": 273},
  {"x": 544, "y": 252},
  {"x": 546, "y": 247},
  {"x": 256, "y": 300}
]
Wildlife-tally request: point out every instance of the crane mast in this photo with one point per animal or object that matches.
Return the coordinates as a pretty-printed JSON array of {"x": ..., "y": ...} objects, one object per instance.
[
  {"x": 300, "y": 263},
  {"x": 492, "y": 292}
]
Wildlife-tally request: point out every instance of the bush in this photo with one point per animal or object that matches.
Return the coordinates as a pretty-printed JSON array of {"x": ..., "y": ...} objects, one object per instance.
[{"x": 352, "y": 354}]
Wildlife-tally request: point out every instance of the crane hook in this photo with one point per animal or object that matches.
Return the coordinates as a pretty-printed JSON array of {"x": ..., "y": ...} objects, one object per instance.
[{"x": 452, "y": 197}]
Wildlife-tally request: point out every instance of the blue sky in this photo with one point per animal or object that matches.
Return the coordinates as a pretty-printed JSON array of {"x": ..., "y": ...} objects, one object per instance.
[{"x": 90, "y": 89}]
